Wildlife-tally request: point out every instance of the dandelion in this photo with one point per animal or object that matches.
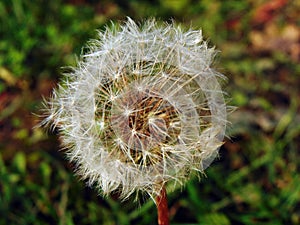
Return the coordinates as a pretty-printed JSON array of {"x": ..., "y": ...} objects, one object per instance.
[{"x": 142, "y": 108}]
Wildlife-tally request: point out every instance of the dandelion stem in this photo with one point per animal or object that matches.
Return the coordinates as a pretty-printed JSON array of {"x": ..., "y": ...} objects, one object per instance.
[{"x": 162, "y": 208}]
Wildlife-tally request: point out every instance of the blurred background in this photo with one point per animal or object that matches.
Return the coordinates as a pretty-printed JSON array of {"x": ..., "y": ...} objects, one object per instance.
[{"x": 255, "y": 180}]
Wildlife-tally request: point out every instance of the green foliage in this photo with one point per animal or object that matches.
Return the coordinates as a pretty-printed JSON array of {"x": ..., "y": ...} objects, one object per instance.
[
  {"x": 256, "y": 179},
  {"x": 40, "y": 33}
]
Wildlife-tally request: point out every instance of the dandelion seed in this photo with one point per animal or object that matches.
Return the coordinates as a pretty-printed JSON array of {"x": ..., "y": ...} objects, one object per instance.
[{"x": 142, "y": 109}]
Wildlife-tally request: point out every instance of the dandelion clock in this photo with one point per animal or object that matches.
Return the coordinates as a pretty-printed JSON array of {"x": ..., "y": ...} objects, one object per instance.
[{"x": 142, "y": 109}]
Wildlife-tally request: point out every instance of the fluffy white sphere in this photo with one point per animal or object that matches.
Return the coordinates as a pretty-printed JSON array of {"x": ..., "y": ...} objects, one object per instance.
[{"x": 143, "y": 107}]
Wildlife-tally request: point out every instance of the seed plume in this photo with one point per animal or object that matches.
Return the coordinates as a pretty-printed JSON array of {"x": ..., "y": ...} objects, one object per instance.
[{"x": 142, "y": 108}]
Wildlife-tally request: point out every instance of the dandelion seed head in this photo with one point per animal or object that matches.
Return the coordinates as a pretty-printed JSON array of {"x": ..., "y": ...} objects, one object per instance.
[{"x": 142, "y": 108}]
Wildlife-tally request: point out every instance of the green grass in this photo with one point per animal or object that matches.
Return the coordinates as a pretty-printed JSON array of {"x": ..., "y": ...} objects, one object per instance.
[{"x": 255, "y": 180}]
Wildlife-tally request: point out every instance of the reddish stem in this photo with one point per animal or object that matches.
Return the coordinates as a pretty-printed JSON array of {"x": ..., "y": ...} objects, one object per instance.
[{"x": 162, "y": 208}]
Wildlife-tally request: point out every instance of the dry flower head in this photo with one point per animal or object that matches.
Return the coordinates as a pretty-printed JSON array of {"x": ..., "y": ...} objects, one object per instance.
[{"x": 142, "y": 108}]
